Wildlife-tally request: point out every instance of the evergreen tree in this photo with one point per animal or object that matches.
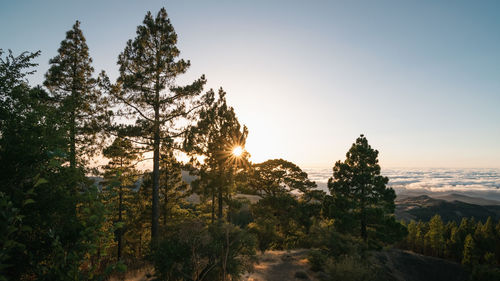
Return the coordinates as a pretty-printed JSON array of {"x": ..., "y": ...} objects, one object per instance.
[
  {"x": 173, "y": 189},
  {"x": 147, "y": 89},
  {"x": 436, "y": 235},
  {"x": 420, "y": 237},
  {"x": 487, "y": 242},
  {"x": 412, "y": 235},
  {"x": 215, "y": 137},
  {"x": 52, "y": 232},
  {"x": 120, "y": 177},
  {"x": 469, "y": 256},
  {"x": 82, "y": 105},
  {"x": 454, "y": 245},
  {"x": 358, "y": 186}
]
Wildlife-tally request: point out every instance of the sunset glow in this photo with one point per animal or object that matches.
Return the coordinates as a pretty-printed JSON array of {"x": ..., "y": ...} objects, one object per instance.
[{"x": 237, "y": 151}]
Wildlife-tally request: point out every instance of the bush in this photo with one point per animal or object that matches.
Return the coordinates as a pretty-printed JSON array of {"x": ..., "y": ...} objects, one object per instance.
[
  {"x": 324, "y": 235},
  {"x": 195, "y": 251}
]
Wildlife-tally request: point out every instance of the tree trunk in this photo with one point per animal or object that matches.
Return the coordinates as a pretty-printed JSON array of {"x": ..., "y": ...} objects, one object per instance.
[
  {"x": 72, "y": 140},
  {"x": 156, "y": 173},
  {"x": 120, "y": 230},
  {"x": 363, "y": 215},
  {"x": 165, "y": 204},
  {"x": 219, "y": 215},
  {"x": 213, "y": 205},
  {"x": 72, "y": 129}
]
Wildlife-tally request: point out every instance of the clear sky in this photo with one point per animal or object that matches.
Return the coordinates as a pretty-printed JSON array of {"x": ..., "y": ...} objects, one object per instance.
[{"x": 421, "y": 79}]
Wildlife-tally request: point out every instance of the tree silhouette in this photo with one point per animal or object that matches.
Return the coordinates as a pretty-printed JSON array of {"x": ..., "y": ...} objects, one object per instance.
[
  {"x": 69, "y": 79},
  {"x": 360, "y": 189},
  {"x": 214, "y": 137},
  {"x": 278, "y": 176},
  {"x": 146, "y": 87},
  {"x": 120, "y": 176},
  {"x": 173, "y": 189},
  {"x": 469, "y": 254}
]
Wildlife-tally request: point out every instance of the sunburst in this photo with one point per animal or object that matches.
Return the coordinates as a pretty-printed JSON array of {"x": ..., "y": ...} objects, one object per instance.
[{"x": 237, "y": 151}]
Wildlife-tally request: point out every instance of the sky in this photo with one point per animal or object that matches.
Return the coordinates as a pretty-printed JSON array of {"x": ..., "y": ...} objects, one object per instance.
[{"x": 421, "y": 79}]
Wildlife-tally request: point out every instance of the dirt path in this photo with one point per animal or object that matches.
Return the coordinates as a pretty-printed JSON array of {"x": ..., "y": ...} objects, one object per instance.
[
  {"x": 272, "y": 266},
  {"x": 281, "y": 266}
]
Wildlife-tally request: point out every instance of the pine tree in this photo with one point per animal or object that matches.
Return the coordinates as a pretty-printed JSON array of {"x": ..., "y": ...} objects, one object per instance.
[
  {"x": 146, "y": 87},
  {"x": 358, "y": 185},
  {"x": 70, "y": 81},
  {"x": 488, "y": 236},
  {"x": 412, "y": 235},
  {"x": 469, "y": 255},
  {"x": 173, "y": 189},
  {"x": 215, "y": 136},
  {"x": 436, "y": 235},
  {"x": 463, "y": 228},
  {"x": 422, "y": 229},
  {"x": 120, "y": 177},
  {"x": 454, "y": 245}
]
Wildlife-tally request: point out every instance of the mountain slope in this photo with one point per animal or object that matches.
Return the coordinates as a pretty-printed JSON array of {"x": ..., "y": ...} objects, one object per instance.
[
  {"x": 423, "y": 207},
  {"x": 408, "y": 266}
]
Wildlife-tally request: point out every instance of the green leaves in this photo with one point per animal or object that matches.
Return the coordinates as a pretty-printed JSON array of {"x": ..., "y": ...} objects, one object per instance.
[
  {"x": 28, "y": 201},
  {"x": 278, "y": 176},
  {"x": 146, "y": 93},
  {"x": 358, "y": 192},
  {"x": 82, "y": 104},
  {"x": 40, "y": 181}
]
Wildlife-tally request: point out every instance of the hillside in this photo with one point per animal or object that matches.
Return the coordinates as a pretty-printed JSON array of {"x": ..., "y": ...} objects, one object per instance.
[
  {"x": 408, "y": 266},
  {"x": 466, "y": 199},
  {"x": 395, "y": 265},
  {"x": 423, "y": 207}
]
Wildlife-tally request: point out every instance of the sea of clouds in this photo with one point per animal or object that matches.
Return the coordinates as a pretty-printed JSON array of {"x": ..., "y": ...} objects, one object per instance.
[{"x": 484, "y": 183}]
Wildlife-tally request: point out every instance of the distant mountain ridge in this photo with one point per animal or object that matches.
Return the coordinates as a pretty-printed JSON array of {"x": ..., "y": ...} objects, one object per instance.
[{"x": 423, "y": 207}]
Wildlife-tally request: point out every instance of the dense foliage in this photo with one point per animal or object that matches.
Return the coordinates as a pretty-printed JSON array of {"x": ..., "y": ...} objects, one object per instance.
[
  {"x": 470, "y": 243},
  {"x": 360, "y": 200}
]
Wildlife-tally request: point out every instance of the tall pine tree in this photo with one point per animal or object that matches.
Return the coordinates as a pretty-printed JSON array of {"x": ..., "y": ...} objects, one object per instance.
[
  {"x": 120, "y": 177},
  {"x": 358, "y": 185},
  {"x": 147, "y": 89},
  {"x": 69, "y": 79}
]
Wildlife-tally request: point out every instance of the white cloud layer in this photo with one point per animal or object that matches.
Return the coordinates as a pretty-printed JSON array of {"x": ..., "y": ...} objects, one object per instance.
[{"x": 483, "y": 183}]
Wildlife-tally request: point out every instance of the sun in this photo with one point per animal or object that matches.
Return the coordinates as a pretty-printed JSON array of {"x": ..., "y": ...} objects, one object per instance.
[{"x": 237, "y": 151}]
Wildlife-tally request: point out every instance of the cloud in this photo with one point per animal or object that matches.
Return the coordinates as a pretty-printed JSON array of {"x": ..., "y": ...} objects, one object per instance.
[{"x": 475, "y": 182}]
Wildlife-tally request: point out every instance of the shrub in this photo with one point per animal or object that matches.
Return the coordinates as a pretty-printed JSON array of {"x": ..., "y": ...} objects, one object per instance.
[{"x": 195, "y": 251}]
